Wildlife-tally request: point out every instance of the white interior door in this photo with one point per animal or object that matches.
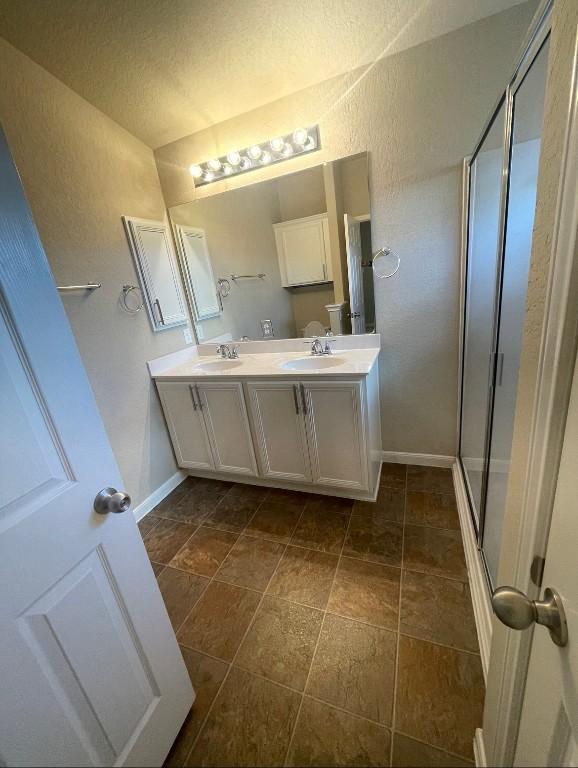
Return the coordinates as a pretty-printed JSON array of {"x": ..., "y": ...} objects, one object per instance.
[
  {"x": 549, "y": 725},
  {"x": 90, "y": 670},
  {"x": 354, "y": 271}
]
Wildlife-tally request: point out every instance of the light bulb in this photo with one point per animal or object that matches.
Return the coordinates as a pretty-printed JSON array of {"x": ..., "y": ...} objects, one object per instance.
[
  {"x": 287, "y": 150},
  {"x": 255, "y": 152},
  {"x": 234, "y": 158},
  {"x": 300, "y": 136},
  {"x": 214, "y": 164},
  {"x": 196, "y": 171},
  {"x": 227, "y": 169},
  {"x": 277, "y": 144},
  {"x": 266, "y": 158},
  {"x": 209, "y": 176},
  {"x": 246, "y": 163},
  {"x": 309, "y": 144}
]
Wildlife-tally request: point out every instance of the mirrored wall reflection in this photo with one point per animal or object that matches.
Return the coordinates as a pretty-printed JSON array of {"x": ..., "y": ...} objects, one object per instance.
[
  {"x": 282, "y": 258},
  {"x": 482, "y": 267},
  {"x": 528, "y": 117}
]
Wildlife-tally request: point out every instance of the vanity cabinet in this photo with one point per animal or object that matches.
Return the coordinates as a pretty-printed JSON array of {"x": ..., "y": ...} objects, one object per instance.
[
  {"x": 209, "y": 426},
  {"x": 303, "y": 250},
  {"x": 301, "y": 432},
  {"x": 311, "y": 431}
]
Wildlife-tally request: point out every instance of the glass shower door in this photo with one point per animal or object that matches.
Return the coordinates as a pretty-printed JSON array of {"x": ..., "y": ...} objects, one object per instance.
[
  {"x": 528, "y": 113},
  {"x": 481, "y": 285}
]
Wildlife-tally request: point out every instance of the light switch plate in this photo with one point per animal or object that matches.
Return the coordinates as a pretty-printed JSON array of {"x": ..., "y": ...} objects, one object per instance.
[{"x": 188, "y": 336}]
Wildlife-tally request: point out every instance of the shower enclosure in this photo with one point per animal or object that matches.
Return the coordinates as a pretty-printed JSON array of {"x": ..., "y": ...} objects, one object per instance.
[{"x": 501, "y": 181}]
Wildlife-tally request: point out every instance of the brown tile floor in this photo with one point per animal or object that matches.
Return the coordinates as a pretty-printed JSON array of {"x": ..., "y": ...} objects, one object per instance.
[{"x": 318, "y": 631}]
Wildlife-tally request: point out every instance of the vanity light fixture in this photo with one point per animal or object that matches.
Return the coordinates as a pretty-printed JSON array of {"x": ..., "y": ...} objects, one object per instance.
[
  {"x": 280, "y": 148},
  {"x": 234, "y": 158}
]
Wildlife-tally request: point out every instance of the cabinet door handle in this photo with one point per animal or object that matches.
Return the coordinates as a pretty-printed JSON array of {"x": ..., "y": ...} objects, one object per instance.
[
  {"x": 303, "y": 398},
  {"x": 192, "y": 390},
  {"x": 158, "y": 306},
  {"x": 296, "y": 397},
  {"x": 199, "y": 398}
]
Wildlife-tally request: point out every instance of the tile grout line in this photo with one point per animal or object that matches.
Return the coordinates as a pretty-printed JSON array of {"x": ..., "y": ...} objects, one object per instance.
[
  {"x": 397, "y": 639},
  {"x": 287, "y": 544},
  {"x": 291, "y": 738},
  {"x": 250, "y": 625},
  {"x": 210, "y": 580},
  {"x": 440, "y": 749}
]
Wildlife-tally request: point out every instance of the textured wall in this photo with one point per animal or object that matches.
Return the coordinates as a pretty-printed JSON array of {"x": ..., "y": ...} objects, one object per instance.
[
  {"x": 417, "y": 113},
  {"x": 81, "y": 173}
]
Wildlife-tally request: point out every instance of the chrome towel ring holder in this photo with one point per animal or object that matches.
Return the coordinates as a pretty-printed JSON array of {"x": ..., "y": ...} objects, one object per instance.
[
  {"x": 132, "y": 309},
  {"x": 385, "y": 263}
]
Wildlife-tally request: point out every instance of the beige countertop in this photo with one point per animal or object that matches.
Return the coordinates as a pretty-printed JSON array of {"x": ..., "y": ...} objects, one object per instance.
[{"x": 342, "y": 363}]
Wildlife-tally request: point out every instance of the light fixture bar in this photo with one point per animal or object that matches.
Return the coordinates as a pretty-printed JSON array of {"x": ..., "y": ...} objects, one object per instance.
[{"x": 276, "y": 150}]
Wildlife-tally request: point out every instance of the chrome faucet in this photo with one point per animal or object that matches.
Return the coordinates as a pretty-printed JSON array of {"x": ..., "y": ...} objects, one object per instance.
[
  {"x": 317, "y": 347},
  {"x": 227, "y": 353}
]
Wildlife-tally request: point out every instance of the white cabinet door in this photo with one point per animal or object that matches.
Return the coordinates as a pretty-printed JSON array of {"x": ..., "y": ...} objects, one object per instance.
[
  {"x": 90, "y": 670},
  {"x": 223, "y": 407},
  {"x": 184, "y": 416},
  {"x": 281, "y": 441},
  {"x": 303, "y": 250},
  {"x": 153, "y": 252},
  {"x": 198, "y": 272},
  {"x": 336, "y": 433}
]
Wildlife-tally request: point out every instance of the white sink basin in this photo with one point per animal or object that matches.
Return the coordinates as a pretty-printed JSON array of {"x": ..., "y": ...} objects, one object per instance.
[
  {"x": 217, "y": 365},
  {"x": 312, "y": 363}
]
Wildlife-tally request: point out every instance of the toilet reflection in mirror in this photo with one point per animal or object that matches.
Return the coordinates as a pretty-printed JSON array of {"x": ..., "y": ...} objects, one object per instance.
[{"x": 294, "y": 250}]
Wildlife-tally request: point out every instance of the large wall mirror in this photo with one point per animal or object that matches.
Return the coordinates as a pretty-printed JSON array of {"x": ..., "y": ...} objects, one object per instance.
[{"x": 282, "y": 258}]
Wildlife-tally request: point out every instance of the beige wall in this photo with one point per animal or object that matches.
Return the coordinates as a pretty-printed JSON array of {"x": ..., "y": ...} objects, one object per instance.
[
  {"x": 418, "y": 113},
  {"x": 81, "y": 173}
]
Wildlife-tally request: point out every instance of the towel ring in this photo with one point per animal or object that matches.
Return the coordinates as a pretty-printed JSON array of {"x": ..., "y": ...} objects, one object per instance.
[
  {"x": 385, "y": 263},
  {"x": 126, "y": 291}
]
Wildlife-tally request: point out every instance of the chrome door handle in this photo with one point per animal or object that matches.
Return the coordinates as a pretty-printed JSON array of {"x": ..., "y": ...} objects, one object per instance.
[
  {"x": 199, "y": 401},
  {"x": 111, "y": 500},
  {"x": 517, "y": 611},
  {"x": 158, "y": 306},
  {"x": 296, "y": 397},
  {"x": 192, "y": 391}
]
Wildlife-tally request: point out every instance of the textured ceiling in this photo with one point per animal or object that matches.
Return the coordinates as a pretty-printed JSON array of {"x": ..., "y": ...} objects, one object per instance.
[{"x": 167, "y": 68}]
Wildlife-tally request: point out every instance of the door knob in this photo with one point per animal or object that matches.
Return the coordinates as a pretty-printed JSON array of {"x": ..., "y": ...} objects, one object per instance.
[
  {"x": 111, "y": 500},
  {"x": 517, "y": 611}
]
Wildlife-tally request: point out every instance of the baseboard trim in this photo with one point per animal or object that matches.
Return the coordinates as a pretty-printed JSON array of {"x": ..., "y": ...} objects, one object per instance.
[
  {"x": 420, "y": 459},
  {"x": 157, "y": 496},
  {"x": 476, "y": 575},
  {"x": 479, "y": 749}
]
